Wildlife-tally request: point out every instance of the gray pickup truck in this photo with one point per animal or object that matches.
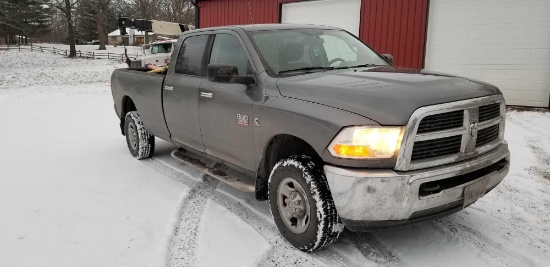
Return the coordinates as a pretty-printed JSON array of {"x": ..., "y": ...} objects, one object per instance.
[{"x": 326, "y": 129}]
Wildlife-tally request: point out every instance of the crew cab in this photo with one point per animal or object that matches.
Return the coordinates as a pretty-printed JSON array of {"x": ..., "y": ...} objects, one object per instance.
[{"x": 315, "y": 121}]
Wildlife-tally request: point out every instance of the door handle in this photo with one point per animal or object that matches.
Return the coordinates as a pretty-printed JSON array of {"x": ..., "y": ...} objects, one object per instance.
[
  {"x": 207, "y": 94},
  {"x": 169, "y": 88}
]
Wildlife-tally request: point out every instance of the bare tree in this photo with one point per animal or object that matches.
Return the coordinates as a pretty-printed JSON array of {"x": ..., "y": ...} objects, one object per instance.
[
  {"x": 180, "y": 11},
  {"x": 66, "y": 6},
  {"x": 102, "y": 11}
]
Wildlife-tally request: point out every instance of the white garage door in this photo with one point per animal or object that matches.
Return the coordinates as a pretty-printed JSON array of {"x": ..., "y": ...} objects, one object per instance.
[
  {"x": 344, "y": 14},
  {"x": 503, "y": 42}
]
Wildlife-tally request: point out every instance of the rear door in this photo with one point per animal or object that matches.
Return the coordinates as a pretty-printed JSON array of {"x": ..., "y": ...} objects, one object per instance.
[
  {"x": 181, "y": 92},
  {"x": 225, "y": 109}
]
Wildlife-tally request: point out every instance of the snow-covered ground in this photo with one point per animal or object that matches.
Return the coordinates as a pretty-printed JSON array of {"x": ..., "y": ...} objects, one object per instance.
[{"x": 71, "y": 194}]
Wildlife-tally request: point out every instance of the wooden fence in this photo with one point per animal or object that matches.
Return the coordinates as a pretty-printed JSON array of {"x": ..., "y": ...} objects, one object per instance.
[{"x": 64, "y": 52}]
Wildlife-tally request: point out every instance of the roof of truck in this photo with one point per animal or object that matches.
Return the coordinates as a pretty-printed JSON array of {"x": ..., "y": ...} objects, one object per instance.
[{"x": 268, "y": 27}]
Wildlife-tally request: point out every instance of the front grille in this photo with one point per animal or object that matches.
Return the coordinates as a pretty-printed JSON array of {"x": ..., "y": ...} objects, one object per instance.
[
  {"x": 449, "y": 132},
  {"x": 436, "y": 147},
  {"x": 488, "y": 112},
  {"x": 442, "y": 121},
  {"x": 487, "y": 135},
  {"x": 135, "y": 63}
]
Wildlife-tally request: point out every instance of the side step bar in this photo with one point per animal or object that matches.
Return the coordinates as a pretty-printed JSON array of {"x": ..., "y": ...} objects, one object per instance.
[{"x": 213, "y": 171}]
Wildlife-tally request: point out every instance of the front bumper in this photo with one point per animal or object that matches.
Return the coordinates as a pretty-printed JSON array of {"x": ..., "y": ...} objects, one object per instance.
[{"x": 371, "y": 199}]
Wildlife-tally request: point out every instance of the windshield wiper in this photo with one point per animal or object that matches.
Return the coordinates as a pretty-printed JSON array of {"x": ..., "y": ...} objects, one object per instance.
[
  {"x": 359, "y": 66},
  {"x": 307, "y": 68}
]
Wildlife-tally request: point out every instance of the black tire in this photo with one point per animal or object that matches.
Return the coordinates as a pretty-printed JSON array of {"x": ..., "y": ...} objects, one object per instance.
[
  {"x": 324, "y": 228},
  {"x": 140, "y": 143}
]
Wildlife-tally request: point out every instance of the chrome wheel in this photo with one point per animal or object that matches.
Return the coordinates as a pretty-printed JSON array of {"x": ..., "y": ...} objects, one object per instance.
[
  {"x": 293, "y": 205},
  {"x": 133, "y": 135}
]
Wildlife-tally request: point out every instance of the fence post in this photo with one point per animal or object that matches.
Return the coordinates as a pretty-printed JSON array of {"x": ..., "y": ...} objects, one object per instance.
[
  {"x": 80, "y": 53},
  {"x": 53, "y": 49},
  {"x": 65, "y": 52},
  {"x": 41, "y": 48},
  {"x": 108, "y": 55},
  {"x": 93, "y": 55}
]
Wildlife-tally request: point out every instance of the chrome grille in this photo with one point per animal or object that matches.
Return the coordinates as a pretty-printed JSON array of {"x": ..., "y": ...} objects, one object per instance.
[
  {"x": 488, "y": 112},
  {"x": 441, "y": 121},
  {"x": 436, "y": 147},
  {"x": 451, "y": 132},
  {"x": 487, "y": 135}
]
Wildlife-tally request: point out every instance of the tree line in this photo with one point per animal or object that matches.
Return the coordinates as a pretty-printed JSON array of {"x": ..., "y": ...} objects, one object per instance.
[{"x": 80, "y": 21}]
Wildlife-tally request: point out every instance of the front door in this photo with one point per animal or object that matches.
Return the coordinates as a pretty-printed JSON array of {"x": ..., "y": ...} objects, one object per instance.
[
  {"x": 181, "y": 93},
  {"x": 225, "y": 109}
]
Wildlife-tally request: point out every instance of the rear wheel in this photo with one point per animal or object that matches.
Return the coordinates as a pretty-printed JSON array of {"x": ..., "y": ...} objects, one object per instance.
[
  {"x": 302, "y": 205},
  {"x": 140, "y": 143}
]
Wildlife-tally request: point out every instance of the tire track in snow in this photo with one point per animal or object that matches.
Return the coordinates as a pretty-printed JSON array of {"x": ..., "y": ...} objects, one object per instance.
[
  {"x": 183, "y": 248},
  {"x": 482, "y": 242},
  {"x": 281, "y": 253},
  {"x": 374, "y": 250},
  {"x": 183, "y": 251},
  {"x": 184, "y": 243}
]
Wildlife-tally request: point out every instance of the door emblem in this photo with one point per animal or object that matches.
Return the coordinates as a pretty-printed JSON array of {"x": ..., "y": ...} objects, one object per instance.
[
  {"x": 242, "y": 119},
  {"x": 474, "y": 126},
  {"x": 257, "y": 122}
]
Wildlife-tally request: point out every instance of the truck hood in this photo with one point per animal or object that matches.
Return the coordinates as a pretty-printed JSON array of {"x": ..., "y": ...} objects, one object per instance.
[{"x": 387, "y": 95}]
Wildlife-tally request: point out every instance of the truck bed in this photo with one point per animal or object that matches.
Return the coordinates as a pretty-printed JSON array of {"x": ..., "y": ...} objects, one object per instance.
[{"x": 145, "y": 90}]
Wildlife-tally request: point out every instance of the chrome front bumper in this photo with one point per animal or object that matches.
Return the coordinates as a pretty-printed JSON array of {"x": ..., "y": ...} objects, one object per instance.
[{"x": 370, "y": 199}]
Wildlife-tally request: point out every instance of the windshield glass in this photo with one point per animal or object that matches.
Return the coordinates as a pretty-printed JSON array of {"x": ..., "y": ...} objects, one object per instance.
[
  {"x": 161, "y": 48},
  {"x": 284, "y": 51}
]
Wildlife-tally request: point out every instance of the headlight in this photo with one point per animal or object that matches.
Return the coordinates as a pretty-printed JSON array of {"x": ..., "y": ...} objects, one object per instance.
[{"x": 367, "y": 142}]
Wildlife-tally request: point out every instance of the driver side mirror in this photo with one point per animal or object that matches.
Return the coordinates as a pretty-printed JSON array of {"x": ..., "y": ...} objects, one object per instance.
[
  {"x": 388, "y": 58},
  {"x": 226, "y": 73}
]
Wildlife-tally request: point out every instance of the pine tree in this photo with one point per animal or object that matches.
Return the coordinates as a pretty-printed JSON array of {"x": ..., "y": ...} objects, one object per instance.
[{"x": 24, "y": 19}]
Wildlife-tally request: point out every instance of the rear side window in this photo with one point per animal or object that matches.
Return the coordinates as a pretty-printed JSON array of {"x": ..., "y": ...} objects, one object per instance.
[{"x": 190, "y": 55}]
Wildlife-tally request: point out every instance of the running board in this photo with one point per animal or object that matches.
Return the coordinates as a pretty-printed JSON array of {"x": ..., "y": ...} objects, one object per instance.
[{"x": 213, "y": 171}]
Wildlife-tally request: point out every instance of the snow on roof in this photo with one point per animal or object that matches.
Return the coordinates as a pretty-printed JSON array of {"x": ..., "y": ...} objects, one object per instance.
[{"x": 117, "y": 32}]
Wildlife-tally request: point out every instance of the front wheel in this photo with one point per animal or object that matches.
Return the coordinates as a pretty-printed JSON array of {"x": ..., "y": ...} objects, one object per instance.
[
  {"x": 140, "y": 143},
  {"x": 301, "y": 204}
]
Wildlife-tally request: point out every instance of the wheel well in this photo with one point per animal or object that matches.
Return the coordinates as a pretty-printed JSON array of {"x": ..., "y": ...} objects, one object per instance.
[
  {"x": 127, "y": 106},
  {"x": 280, "y": 147}
]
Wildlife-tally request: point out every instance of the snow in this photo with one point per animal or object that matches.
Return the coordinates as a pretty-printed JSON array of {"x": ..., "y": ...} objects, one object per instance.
[
  {"x": 72, "y": 195},
  {"x": 241, "y": 245}
]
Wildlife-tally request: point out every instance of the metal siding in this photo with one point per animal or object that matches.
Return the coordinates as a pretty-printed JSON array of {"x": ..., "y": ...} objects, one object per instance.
[{"x": 396, "y": 27}]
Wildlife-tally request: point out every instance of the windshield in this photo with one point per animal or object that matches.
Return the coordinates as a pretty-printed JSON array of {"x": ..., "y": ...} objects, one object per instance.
[
  {"x": 161, "y": 48},
  {"x": 304, "y": 50}
]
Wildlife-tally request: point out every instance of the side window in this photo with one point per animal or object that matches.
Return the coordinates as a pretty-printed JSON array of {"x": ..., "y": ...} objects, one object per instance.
[
  {"x": 190, "y": 55},
  {"x": 154, "y": 49},
  {"x": 227, "y": 50}
]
